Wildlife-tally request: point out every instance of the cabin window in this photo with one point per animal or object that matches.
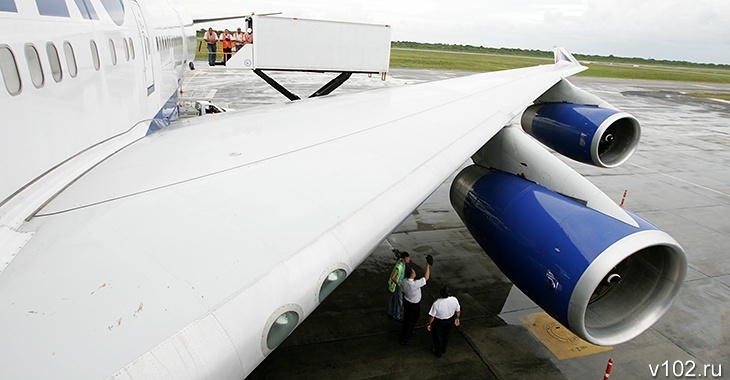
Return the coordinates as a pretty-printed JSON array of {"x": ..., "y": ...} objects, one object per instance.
[
  {"x": 9, "y": 69},
  {"x": 52, "y": 8},
  {"x": 113, "y": 51},
  {"x": 95, "y": 55},
  {"x": 70, "y": 59},
  {"x": 34, "y": 65},
  {"x": 87, "y": 9},
  {"x": 131, "y": 48},
  {"x": 126, "y": 49},
  {"x": 54, "y": 61},
  {"x": 115, "y": 9},
  {"x": 8, "y": 6}
]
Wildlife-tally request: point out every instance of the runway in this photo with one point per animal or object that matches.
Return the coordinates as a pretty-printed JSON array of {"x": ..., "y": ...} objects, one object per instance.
[{"x": 679, "y": 179}]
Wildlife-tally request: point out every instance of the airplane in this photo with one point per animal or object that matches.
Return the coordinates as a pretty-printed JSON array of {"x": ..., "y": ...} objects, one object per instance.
[{"x": 132, "y": 247}]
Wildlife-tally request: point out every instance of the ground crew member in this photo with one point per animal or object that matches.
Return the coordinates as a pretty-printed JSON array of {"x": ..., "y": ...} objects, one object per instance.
[
  {"x": 238, "y": 39},
  {"x": 412, "y": 299},
  {"x": 227, "y": 44},
  {"x": 444, "y": 312},
  {"x": 211, "y": 39},
  {"x": 394, "y": 285}
]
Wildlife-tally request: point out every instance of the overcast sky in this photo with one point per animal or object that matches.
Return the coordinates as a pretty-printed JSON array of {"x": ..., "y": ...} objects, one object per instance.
[{"x": 688, "y": 30}]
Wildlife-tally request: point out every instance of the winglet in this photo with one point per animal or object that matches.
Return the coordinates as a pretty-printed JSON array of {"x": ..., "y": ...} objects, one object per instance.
[{"x": 563, "y": 55}]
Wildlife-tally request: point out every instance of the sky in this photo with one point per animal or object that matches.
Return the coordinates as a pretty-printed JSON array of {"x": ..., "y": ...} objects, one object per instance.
[{"x": 686, "y": 30}]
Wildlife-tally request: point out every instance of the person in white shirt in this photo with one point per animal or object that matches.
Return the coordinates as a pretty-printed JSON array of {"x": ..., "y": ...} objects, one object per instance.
[
  {"x": 412, "y": 300},
  {"x": 444, "y": 312}
]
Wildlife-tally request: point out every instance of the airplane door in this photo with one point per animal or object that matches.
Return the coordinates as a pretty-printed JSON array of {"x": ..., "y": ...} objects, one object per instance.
[{"x": 149, "y": 72}]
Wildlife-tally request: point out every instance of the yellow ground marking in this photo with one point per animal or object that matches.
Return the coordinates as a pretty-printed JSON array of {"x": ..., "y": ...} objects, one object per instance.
[{"x": 558, "y": 339}]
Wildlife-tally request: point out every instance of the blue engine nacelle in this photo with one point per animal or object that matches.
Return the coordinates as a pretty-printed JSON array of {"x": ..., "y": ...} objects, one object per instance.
[
  {"x": 605, "y": 280},
  {"x": 593, "y": 135}
]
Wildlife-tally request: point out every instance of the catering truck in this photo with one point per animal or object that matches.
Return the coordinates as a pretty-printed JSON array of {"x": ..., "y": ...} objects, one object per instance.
[{"x": 296, "y": 44}]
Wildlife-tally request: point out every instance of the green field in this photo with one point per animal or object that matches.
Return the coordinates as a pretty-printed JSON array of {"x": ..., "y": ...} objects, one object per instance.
[
  {"x": 423, "y": 59},
  {"x": 455, "y": 60},
  {"x": 712, "y": 96}
]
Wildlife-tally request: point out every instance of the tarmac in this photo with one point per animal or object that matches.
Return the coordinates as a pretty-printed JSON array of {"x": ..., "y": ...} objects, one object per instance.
[{"x": 679, "y": 179}]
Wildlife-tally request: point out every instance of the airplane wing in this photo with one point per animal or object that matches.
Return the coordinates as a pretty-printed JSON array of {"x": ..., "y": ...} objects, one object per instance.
[{"x": 193, "y": 252}]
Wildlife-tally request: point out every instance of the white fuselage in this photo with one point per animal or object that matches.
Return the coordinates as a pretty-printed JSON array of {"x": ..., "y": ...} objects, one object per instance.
[{"x": 95, "y": 77}]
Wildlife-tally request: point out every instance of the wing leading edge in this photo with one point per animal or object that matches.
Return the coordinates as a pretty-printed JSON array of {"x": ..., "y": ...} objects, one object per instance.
[{"x": 178, "y": 254}]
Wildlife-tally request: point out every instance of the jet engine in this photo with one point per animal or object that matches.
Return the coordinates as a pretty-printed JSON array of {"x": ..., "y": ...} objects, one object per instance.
[
  {"x": 604, "y": 279},
  {"x": 593, "y": 135},
  {"x": 582, "y": 126}
]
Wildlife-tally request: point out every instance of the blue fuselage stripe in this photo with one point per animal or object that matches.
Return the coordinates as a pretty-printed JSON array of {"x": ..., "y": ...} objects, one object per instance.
[{"x": 167, "y": 113}]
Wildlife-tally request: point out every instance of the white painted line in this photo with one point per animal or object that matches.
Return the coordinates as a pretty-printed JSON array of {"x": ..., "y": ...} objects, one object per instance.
[{"x": 682, "y": 180}]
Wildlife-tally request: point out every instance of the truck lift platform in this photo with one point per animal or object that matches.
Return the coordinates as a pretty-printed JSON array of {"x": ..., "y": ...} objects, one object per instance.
[{"x": 305, "y": 45}]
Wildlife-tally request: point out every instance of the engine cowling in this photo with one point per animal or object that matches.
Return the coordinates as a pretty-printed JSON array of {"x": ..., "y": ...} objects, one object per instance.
[
  {"x": 594, "y": 135},
  {"x": 605, "y": 280}
]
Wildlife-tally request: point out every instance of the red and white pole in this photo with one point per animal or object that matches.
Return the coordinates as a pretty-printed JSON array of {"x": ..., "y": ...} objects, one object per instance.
[
  {"x": 623, "y": 199},
  {"x": 609, "y": 368}
]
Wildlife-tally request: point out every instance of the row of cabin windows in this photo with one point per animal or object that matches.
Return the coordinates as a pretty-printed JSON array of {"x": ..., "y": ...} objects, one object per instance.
[
  {"x": 11, "y": 75},
  {"x": 164, "y": 43}
]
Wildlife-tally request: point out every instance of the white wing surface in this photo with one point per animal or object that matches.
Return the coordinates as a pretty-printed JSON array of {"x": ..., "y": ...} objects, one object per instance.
[{"x": 174, "y": 256}]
